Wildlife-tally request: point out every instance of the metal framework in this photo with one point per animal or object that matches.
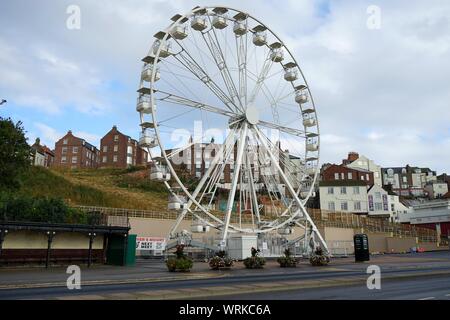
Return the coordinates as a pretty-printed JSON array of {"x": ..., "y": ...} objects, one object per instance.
[{"x": 229, "y": 70}]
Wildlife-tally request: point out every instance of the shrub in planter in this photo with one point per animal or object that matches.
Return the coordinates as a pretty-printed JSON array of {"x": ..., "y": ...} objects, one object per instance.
[
  {"x": 255, "y": 261},
  {"x": 287, "y": 261},
  {"x": 220, "y": 261},
  {"x": 318, "y": 258},
  {"x": 181, "y": 262}
]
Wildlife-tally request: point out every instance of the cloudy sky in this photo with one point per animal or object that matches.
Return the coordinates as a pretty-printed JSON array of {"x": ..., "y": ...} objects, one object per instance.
[{"x": 382, "y": 92}]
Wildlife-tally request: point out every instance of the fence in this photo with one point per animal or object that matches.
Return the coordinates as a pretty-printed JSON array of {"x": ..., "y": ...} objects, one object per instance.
[{"x": 321, "y": 218}]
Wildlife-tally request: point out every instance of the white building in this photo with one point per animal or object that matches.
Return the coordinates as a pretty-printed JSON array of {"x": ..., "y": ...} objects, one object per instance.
[
  {"x": 435, "y": 212},
  {"x": 343, "y": 196},
  {"x": 357, "y": 161},
  {"x": 436, "y": 189},
  {"x": 378, "y": 202},
  {"x": 399, "y": 211}
]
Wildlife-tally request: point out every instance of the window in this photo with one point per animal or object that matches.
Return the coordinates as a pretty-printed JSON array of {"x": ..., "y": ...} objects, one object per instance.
[
  {"x": 367, "y": 177},
  {"x": 130, "y": 150},
  {"x": 342, "y": 176},
  {"x": 63, "y": 159},
  {"x": 336, "y": 176},
  {"x": 362, "y": 178},
  {"x": 64, "y": 150},
  {"x": 116, "y": 137},
  {"x": 75, "y": 150},
  {"x": 378, "y": 206},
  {"x": 105, "y": 148},
  {"x": 65, "y": 141},
  {"x": 115, "y": 158},
  {"x": 349, "y": 175},
  {"x": 74, "y": 159},
  {"x": 377, "y": 195},
  {"x": 330, "y": 190},
  {"x": 129, "y": 160},
  {"x": 105, "y": 159},
  {"x": 344, "y": 206},
  {"x": 355, "y": 190},
  {"x": 331, "y": 206},
  {"x": 116, "y": 148},
  {"x": 343, "y": 190},
  {"x": 405, "y": 180},
  {"x": 357, "y": 206}
]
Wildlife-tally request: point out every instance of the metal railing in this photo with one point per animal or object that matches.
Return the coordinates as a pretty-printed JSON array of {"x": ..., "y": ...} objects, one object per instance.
[{"x": 321, "y": 218}]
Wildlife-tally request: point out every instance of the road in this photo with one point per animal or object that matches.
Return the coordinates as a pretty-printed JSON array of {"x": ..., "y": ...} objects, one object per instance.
[
  {"x": 415, "y": 289},
  {"x": 403, "y": 277}
]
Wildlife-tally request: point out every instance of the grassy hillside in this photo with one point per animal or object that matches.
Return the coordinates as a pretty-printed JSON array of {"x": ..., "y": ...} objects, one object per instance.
[{"x": 119, "y": 188}]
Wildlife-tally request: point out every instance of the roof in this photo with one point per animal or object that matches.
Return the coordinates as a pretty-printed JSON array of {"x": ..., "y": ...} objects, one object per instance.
[{"x": 446, "y": 196}]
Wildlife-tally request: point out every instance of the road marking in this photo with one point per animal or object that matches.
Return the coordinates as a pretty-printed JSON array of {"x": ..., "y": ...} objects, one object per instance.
[{"x": 428, "y": 298}]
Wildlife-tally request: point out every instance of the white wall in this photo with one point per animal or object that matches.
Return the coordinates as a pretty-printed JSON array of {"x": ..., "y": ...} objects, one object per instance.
[
  {"x": 378, "y": 201},
  {"x": 338, "y": 198},
  {"x": 365, "y": 163}
]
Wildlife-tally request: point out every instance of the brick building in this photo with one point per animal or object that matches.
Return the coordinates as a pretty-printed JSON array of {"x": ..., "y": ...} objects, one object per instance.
[
  {"x": 73, "y": 152},
  {"x": 118, "y": 150},
  {"x": 342, "y": 173}
]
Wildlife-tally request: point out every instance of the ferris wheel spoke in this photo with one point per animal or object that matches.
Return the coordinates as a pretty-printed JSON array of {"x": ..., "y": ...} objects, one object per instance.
[
  {"x": 241, "y": 49},
  {"x": 277, "y": 166},
  {"x": 175, "y": 99},
  {"x": 213, "y": 44},
  {"x": 190, "y": 64},
  {"x": 261, "y": 78},
  {"x": 292, "y": 131}
]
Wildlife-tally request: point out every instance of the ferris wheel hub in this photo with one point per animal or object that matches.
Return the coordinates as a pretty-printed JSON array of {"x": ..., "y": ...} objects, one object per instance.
[{"x": 252, "y": 115}]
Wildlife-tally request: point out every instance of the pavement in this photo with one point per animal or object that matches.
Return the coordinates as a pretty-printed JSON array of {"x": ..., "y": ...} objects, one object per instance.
[{"x": 149, "y": 279}]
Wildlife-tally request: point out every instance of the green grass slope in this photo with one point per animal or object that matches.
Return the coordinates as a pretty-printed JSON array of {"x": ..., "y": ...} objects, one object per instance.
[{"x": 118, "y": 188}]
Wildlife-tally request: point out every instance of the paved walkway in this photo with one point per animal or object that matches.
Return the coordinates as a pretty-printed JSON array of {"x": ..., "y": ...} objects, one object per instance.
[{"x": 155, "y": 270}]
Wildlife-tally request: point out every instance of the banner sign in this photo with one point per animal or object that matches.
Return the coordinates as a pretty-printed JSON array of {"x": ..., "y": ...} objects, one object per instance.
[{"x": 150, "y": 243}]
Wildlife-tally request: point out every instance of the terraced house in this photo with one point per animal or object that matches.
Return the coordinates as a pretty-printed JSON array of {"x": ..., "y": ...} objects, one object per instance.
[
  {"x": 73, "y": 152},
  {"x": 118, "y": 150}
]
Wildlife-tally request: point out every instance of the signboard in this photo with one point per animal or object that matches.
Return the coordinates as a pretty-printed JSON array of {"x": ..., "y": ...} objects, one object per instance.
[
  {"x": 264, "y": 246},
  {"x": 150, "y": 243}
]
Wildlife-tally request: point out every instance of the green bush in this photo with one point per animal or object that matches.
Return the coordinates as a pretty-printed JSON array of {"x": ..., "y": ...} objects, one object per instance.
[
  {"x": 319, "y": 258},
  {"x": 220, "y": 261},
  {"x": 255, "y": 261},
  {"x": 45, "y": 210},
  {"x": 287, "y": 261},
  {"x": 180, "y": 262}
]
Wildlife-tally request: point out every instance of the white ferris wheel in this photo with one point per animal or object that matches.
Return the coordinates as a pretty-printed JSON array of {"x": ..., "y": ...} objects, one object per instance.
[{"x": 225, "y": 70}]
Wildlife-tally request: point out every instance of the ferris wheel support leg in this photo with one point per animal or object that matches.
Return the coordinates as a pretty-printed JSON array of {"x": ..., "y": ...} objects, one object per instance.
[
  {"x": 240, "y": 152},
  {"x": 199, "y": 187},
  {"x": 292, "y": 191}
]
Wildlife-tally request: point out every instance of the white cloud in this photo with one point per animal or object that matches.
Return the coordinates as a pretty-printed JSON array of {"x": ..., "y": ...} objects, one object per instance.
[
  {"x": 47, "y": 134},
  {"x": 382, "y": 92}
]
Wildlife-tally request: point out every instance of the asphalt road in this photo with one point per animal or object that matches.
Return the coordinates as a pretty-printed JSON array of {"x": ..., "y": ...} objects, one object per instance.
[{"x": 423, "y": 287}]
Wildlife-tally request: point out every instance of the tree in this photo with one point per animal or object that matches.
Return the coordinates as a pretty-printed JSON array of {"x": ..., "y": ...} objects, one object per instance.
[{"x": 14, "y": 154}]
